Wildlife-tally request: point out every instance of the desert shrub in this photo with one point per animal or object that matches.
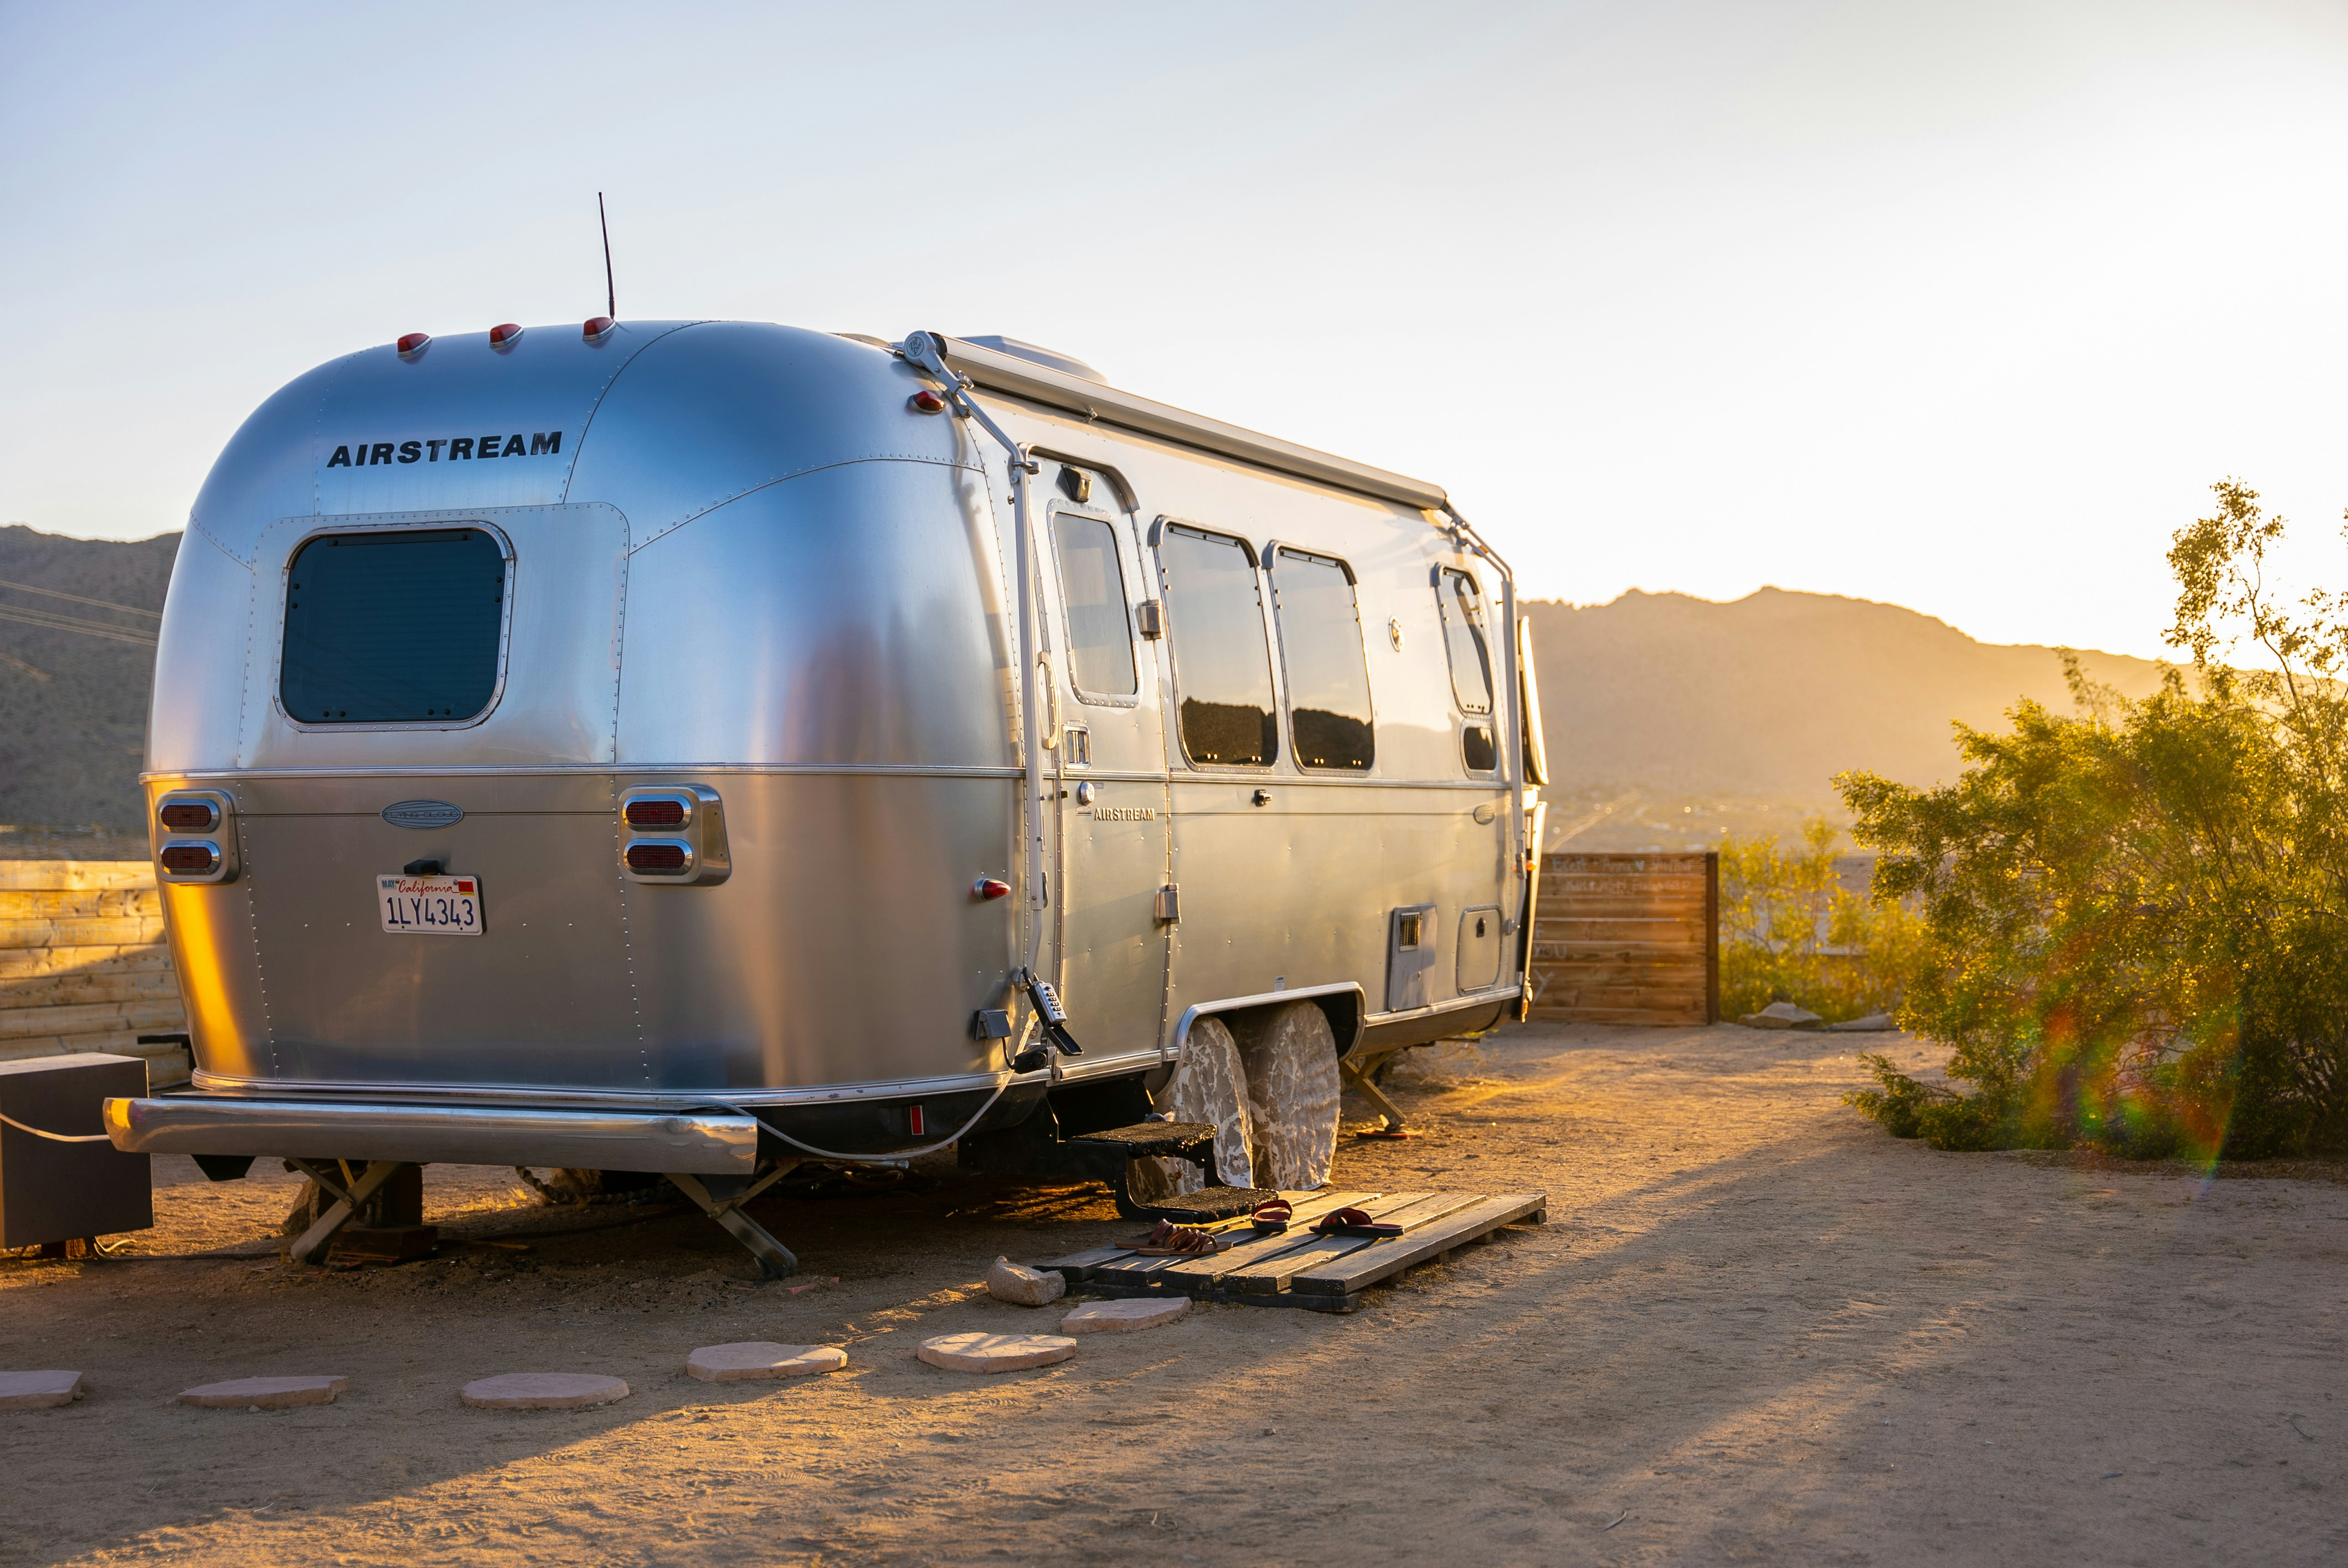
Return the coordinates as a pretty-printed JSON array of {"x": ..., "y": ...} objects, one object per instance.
[
  {"x": 1790, "y": 932},
  {"x": 2136, "y": 916}
]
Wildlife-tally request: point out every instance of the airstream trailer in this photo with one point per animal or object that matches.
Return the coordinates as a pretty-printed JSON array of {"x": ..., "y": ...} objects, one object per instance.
[{"x": 691, "y": 747}]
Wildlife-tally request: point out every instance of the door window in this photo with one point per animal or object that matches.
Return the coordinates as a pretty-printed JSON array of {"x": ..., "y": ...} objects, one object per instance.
[
  {"x": 1321, "y": 654},
  {"x": 1463, "y": 638},
  {"x": 1222, "y": 666},
  {"x": 394, "y": 627},
  {"x": 1092, "y": 587}
]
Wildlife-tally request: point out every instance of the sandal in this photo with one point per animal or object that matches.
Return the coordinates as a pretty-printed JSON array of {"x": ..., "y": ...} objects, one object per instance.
[
  {"x": 1170, "y": 1240},
  {"x": 1353, "y": 1222},
  {"x": 1271, "y": 1218}
]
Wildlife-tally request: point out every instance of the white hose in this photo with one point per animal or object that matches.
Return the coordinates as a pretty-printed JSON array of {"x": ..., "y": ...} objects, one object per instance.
[
  {"x": 58, "y": 1137},
  {"x": 893, "y": 1154}
]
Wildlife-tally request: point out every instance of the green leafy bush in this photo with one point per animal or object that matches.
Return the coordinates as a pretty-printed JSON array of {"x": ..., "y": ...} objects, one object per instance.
[
  {"x": 1790, "y": 932},
  {"x": 2135, "y": 917}
]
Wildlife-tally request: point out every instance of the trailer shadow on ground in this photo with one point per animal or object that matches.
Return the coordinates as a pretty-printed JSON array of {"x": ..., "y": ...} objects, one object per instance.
[{"x": 1755, "y": 1329}]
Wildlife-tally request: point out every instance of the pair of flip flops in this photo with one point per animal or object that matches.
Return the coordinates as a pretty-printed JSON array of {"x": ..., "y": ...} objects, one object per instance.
[
  {"x": 1353, "y": 1222},
  {"x": 1170, "y": 1240}
]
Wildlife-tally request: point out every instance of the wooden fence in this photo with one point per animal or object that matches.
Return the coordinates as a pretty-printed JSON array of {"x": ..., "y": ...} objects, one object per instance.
[
  {"x": 1628, "y": 939},
  {"x": 83, "y": 966}
]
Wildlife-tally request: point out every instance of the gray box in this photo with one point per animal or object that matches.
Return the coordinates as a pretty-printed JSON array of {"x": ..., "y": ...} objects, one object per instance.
[{"x": 56, "y": 1191}]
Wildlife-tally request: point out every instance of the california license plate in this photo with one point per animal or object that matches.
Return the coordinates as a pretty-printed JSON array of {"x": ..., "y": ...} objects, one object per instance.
[{"x": 429, "y": 905}]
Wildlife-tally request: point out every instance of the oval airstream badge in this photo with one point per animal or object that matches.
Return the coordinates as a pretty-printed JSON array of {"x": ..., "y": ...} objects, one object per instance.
[{"x": 423, "y": 814}]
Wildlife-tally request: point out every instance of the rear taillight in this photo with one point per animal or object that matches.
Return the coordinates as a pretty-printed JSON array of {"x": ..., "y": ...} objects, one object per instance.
[
  {"x": 657, "y": 857},
  {"x": 191, "y": 859},
  {"x": 195, "y": 836},
  {"x": 188, "y": 817},
  {"x": 655, "y": 811},
  {"x": 689, "y": 821}
]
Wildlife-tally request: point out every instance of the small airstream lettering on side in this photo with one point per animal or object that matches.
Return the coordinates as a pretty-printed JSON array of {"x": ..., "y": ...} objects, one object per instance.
[{"x": 825, "y": 758}]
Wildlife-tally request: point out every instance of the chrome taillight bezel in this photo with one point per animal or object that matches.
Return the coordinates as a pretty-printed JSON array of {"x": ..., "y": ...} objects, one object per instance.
[
  {"x": 219, "y": 839},
  {"x": 701, "y": 835}
]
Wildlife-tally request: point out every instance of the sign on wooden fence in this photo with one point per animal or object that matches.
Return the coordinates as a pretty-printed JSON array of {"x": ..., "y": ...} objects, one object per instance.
[
  {"x": 83, "y": 966},
  {"x": 1628, "y": 939}
]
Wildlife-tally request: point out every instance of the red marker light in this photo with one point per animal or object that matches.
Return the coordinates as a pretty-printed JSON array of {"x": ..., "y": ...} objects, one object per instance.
[
  {"x": 926, "y": 401},
  {"x": 412, "y": 343},
  {"x": 654, "y": 813},
  {"x": 988, "y": 888},
  {"x": 913, "y": 1121},
  {"x": 504, "y": 336},
  {"x": 597, "y": 328},
  {"x": 188, "y": 817},
  {"x": 197, "y": 858}
]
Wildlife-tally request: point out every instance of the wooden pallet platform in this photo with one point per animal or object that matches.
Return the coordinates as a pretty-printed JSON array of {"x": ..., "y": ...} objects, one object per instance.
[{"x": 1298, "y": 1268}]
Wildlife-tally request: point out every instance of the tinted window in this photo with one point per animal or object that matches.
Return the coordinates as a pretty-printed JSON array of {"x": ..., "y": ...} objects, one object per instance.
[
  {"x": 1100, "y": 642},
  {"x": 1215, "y": 614},
  {"x": 1321, "y": 653},
  {"x": 1463, "y": 636},
  {"x": 395, "y": 627}
]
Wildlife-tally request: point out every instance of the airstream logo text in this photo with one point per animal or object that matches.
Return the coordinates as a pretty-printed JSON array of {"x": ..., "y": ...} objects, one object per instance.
[
  {"x": 541, "y": 443},
  {"x": 423, "y": 814},
  {"x": 1124, "y": 813}
]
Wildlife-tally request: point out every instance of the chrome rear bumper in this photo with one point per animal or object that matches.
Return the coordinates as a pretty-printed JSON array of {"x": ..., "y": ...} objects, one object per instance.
[{"x": 425, "y": 1134}]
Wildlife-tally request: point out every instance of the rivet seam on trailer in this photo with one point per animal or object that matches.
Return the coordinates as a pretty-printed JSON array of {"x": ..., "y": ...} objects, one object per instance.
[
  {"x": 260, "y": 968},
  {"x": 595, "y": 403},
  {"x": 619, "y": 632},
  {"x": 797, "y": 474}
]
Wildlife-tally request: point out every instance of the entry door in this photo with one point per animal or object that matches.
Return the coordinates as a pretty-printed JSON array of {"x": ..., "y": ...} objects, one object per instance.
[{"x": 1111, "y": 767}]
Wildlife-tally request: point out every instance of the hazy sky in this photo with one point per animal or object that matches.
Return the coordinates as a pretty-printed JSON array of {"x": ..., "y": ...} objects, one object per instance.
[{"x": 1957, "y": 305}]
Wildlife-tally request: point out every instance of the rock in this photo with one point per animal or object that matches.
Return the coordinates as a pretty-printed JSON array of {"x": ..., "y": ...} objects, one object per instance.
[
  {"x": 1782, "y": 1015},
  {"x": 39, "y": 1390},
  {"x": 1023, "y": 1286},
  {"x": 763, "y": 1358},
  {"x": 1873, "y": 1023},
  {"x": 996, "y": 1352},
  {"x": 265, "y": 1393},
  {"x": 543, "y": 1391},
  {"x": 1124, "y": 1316}
]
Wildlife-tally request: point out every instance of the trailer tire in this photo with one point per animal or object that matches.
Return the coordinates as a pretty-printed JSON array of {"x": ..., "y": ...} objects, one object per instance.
[
  {"x": 1210, "y": 1085},
  {"x": 1290, "y": 1055}
]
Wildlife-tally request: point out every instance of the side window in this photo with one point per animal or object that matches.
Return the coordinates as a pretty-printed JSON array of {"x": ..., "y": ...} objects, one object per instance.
[
  {"x": 1463, "y": 637},
  {"x": 396, "y": 626},
  {"x": 1092, "y": 586},
  {"x": 1321, "y": 653},
  {"x": 1215, "y": 611}
]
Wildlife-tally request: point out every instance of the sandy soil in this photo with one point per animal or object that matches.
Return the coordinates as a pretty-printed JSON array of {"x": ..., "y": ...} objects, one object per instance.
[{"x": 1756, "y": 1330}]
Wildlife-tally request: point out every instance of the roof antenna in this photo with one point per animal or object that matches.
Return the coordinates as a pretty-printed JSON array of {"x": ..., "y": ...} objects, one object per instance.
[{"x": 611, "y": 295}]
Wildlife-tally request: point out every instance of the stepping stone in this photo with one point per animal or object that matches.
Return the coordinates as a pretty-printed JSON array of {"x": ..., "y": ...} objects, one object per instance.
[
  {"x": 1024, "y": 1286},
  {"x": 763, "y": 1358},
  {"x": 1124, "y": 1316},
  {"x": 543, "y": 1391},
  {"x": 265, "y": 1393},
  {"x": 39, "y": 1390},
  {"x": 996, "y": 1352}
]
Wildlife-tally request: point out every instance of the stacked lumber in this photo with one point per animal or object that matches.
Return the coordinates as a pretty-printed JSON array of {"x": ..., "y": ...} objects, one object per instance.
[
  {"x": 1628, "y": 939},
  {"x": 83, "y": 966}
]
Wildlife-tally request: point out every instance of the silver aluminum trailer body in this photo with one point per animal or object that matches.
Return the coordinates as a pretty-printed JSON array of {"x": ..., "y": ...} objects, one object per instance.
[{"x": 742, "y": 572}]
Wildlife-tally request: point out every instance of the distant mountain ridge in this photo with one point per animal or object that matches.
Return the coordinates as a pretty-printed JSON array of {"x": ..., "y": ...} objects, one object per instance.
[
  {"x": 73, "y": 706},
  {"x": 1768, "y": 695},
  {"x": 1774, "y": 693}
]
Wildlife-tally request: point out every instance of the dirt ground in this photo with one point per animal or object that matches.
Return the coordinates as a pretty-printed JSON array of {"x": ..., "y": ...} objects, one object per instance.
[{"x": 1755, "y": 1329}]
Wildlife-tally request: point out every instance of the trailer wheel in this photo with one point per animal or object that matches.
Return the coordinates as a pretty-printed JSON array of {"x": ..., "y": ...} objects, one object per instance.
[
  {"x": 1209, "y": 1085},
  {"x": 1290, "y": 1055}
]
